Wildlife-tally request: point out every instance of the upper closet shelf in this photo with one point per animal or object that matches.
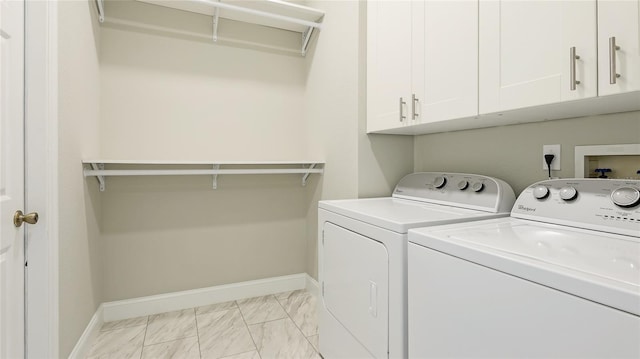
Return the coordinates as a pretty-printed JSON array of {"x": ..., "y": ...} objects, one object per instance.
[
  {"x": 273, "y": 13},
  {"x": 189, "y": 168}
]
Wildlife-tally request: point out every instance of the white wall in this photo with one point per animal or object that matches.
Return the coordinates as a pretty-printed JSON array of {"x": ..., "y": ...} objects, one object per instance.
[
  {"x": 331, "y": 111},
  {"x": 168, "y": 234},
  {"x": 357, "y": 165},
  {"x": 165, "y": 97},
  {"x": 173, "y": 97},
  {"x": 80, "y": 254},
  {"x": 179, "y": 98},
  {"x": 514, "y": 153},
  {"x": 382, "y": 159}
]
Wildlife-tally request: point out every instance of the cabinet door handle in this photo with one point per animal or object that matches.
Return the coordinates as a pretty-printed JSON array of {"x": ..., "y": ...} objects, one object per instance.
[
  {"x": 414, "y": 102},
  {"x": 402, "y": 116},
  {"x": 613, "y": 75},
  {"x": 572, "y": 68}
]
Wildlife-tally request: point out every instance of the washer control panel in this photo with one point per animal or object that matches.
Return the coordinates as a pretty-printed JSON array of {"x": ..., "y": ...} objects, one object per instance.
[
  {"x": 601, "y": 204},
  {"x": 457, "y": 189}
]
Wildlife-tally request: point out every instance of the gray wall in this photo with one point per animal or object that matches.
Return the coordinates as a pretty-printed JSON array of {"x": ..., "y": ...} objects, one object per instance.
[
  {"x": 514, "y": 153},
  {"x": 382, "y": 159},
  {"x": 173, "y": 97},
  {"x": 357, "y": 165},
  {"x": 168, "y": 97},
  {"x": 167, "y": 234},
  {"x": 80, "y": 254}
]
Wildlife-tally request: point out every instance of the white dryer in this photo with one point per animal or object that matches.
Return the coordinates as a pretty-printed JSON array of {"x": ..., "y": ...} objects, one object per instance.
[
  {"x": 560, "y": 278},
  {"x": 362, "y": 252}
]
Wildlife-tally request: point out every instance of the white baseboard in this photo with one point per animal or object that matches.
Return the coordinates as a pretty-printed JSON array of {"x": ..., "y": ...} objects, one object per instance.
[
  {"x": 312, "y": 286},
  {"x": 83, "y": 346},
  {"x": 137, "y": 307},
  {"x": 131, "y": 308}
]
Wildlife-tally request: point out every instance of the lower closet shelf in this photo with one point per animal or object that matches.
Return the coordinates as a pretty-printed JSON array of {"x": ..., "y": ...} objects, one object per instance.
[{"x": 97, "y": 168}]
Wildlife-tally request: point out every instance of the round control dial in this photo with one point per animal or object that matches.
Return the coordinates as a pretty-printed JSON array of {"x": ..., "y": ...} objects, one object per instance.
[
  {"x": 541, "y": 192},
  {"x": 462, "y": 185},
  {"x": 477, "y": 187},
  {"x": 568, "y": 193},
  {"x": 626, "y": 196},
  {"x": 439, "y": 182}
]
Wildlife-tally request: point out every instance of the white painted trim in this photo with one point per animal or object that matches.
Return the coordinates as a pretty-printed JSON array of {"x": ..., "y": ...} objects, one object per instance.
[
  {"x": 582, "y": 152},
  {"x": 312, "y": 286},
  {"x": 42, "y": 181},
  {"x": 52, "y": 174},
  {"x": 131, "y": 308},
  {"x": 83, "y": 346}
]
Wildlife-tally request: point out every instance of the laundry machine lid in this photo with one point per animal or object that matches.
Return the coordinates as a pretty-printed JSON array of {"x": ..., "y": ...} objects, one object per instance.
[
  {"x": 598, "y": 266},
  {"x": 399, "y": 215}
]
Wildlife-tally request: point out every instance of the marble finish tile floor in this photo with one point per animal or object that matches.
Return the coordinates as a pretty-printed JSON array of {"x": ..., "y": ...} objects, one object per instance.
[{"x": 279, "y": 326}]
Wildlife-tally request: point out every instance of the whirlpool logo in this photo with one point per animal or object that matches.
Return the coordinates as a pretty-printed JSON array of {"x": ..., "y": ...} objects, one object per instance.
[{"x": 526, "y": 209}]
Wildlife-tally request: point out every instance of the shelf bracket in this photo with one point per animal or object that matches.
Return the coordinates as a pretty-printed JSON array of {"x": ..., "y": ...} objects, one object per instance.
[
  {"x": 99, "y": 167},
  {"x": 215, "y": 176},
  {"x": 306, "y": 37},
  {"x": 306, "y": 175},
  {"x": 100, "y": 4},
  {"x": 216, "y": 20}
]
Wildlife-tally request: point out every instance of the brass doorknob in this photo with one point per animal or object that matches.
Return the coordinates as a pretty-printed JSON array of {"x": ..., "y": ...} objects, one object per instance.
[{"x": 19, "y": 218}]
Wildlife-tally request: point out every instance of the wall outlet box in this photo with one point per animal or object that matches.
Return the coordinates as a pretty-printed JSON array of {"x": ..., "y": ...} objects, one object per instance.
[{"x": 551, "y": 150}]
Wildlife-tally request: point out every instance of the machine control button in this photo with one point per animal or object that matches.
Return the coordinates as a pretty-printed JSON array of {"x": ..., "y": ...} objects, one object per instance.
[
  {"x": 462, "y": 185},
  {"x": 439, "y": 182},
  {"x": 541, "y": 192},
  {"x": 477, "y": 187},
  {"x": 626, "y": 196},
  {"x": 568, "y": 193}
]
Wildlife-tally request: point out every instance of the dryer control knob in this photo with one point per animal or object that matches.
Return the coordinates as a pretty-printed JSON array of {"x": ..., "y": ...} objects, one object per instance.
[
  {"x": 568, "y": 193},
  {"x": 626, "y": 196},
  {"x": 439, "y": 182},
  {"x": 477, "y": 187},
  {"x": 462, "y": 185},
  {"x": 541, "y": 192}
]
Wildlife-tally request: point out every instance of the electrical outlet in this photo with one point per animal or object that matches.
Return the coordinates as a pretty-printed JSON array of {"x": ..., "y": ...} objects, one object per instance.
[{"x": 551, "y": 150}]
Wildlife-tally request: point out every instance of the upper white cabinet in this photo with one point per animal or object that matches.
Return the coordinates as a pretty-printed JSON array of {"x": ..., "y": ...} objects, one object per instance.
[
  {"x": 388, "y": 64},
  {"x": 422, "y": 62},
  {"x": 445, "y": 71},
  {"x": 618, "y": 46},
  {"x": 435, "y": 66},
  {"x": 527, "y": 53}
]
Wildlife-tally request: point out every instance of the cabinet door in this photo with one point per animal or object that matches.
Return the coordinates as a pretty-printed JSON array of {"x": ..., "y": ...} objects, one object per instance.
[
  {"x": 388, "y": 64},
  {"x": 525, "y": 52},
  {"x": 619, "y": 20},
  {"x": 446, "y": 60}
]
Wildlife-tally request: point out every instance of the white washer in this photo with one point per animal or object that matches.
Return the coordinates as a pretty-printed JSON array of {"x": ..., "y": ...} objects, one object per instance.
[
  {"x": 560, "y": 278},
  {"x": 362, "y": 251}
]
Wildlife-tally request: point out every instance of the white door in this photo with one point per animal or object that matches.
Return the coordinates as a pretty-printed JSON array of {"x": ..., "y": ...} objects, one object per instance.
[
  {"x": 525, "y": 51},
  {"x": 619, "y": 22},
  {"x": 11, "y": 178},
  {"x": 446, "y": 78},
  {"x": 388, "y": 64},
  {"x": 356, "y": 286}
]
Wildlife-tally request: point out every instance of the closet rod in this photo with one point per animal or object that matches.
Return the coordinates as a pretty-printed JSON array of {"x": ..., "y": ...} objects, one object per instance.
[{"x": 292, "y": 20}]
